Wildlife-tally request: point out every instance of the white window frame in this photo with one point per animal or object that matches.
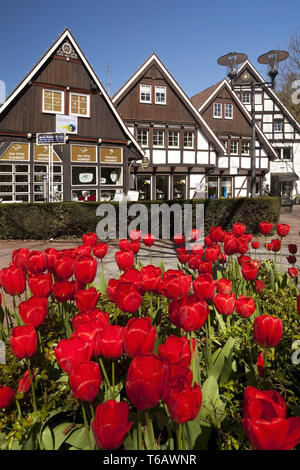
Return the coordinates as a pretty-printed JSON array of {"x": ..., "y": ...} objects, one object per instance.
[
  {"x": 237, "y": 147},
  {"x": 163, "y": 138},
  {"x": 217, "y": 116},
  {"x": 248, "y": 144},
  {"x": 165, "y": 95},
  {"x": 14, "y": 183},
  {"x": 278, "y": 121},
  {"x": 150, "y": 93},
  {"x": 53, "y": 90},
  {"x": 178, "y": 137},
  {"x": 147, "y": 134},
  {"x": 228, "y": 106},
  {"x": 86, "y": 95},
  {"x": 193, "y": 140},
  {"x": 244, "y": 94}
]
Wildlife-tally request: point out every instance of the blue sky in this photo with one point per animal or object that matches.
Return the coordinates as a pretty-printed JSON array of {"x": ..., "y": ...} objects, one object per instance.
[{"x": 188, "y": 36}]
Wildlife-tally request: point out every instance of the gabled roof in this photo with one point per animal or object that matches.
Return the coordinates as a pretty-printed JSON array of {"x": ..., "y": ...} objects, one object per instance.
[
  {"x": 214, "y": 90},
  {"x": 269, "y": 90},
  {"x": 67, "y": 35},
  {"x": 201, "y": 97},
  {"x": 153, "y": 59}
]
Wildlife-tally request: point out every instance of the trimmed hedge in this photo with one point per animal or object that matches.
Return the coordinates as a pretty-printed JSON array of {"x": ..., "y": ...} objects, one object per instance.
[{"x": 72, "y": 219}]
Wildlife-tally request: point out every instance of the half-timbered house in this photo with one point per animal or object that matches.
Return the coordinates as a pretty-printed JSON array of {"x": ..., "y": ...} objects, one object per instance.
[{"x": 63, "y": 94}]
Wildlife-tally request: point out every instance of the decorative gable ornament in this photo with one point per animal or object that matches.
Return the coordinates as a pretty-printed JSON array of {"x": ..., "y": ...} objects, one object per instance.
[{"x": 67, "y": 50}]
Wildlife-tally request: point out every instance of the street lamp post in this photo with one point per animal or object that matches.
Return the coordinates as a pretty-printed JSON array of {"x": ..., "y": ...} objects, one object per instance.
[{"x": 271, "y": 59}]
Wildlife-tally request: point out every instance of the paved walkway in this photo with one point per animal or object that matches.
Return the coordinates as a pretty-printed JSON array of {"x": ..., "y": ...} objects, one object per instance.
[{"x": 162, "y": 249}]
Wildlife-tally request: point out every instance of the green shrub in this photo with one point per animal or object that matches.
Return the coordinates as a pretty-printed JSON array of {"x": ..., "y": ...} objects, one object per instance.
[{"x": 72, "y": 219}]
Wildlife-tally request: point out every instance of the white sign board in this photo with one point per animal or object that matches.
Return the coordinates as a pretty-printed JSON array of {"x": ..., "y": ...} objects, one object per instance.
[{"x": 66, "y": 124}]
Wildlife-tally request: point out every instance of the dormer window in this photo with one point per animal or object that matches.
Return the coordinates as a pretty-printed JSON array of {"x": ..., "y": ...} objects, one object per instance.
[
  {"x": 218, "y": 110},
  {"x": 145, "y": 93}
]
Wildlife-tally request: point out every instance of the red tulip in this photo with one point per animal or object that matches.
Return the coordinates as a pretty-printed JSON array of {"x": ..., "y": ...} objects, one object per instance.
[
  {"x": 91, "y": 329},
  {"x": 265, "y": 227},
  {"x": 242, "y": 245},
  {"x": 230, "y": 244},
  {"x": 182, "y": 399},
  {"x": 111, "y": 424},
  {"x": 24, "y": 383},
  {"x": 255, "y": 245},
  {"x": 36, "y": 262},
  {"x": 33, "y": 311},
  {"x": 282, "y": 230},
  {"x": 176, "y": 351},
  {"x": 89, "y": 239},
  {"x": 86, "y": 299},
  {"x": 225, "y": 303},
  {"x": 217, "y": 234},
  {"x": 127, "y": 297},
  {"x": 238, "y": 229},
  {"x": 100, "y": 250},
  {"x": 101, "y": 318},
  {"x": 7, "y": 396},
  {"x": 135, "y": 246},
  {"x": 293, "y": 272},
  {"x": 13, "y": 280},
  {"x": 82, "y": 250},
  {"x": 260, "y": 364},
  {"x": 221, "y": 258},
  {"x": 211, "y": 253},
  {"x": 175, "y": 285},
  {"x": 249, "y": 271},
  {"x": 23, "y": 341},
  {"x": 204, "y": 286},
  {"x": 148, "y": 240},
  {"x": 63, "y": 290},
  {"x": 292, "y": 248},
  {"x": 70, "y": 352},
  {"x": 133, "y": 276},
  {"x": 267, "y": 330},
  {"x": 259, "y": 286},
  {"x": 40, "y": 285},
  {"x": 20, "y": 258},
  {"x": 265, "y": 423},
  {"x": 208, "y": 240},
  {"x": 224, "y": 286},
  {"x": 111, "y": 289},
  {"x": 124, "y": 245},
  {"x": 195, "y": 234},
  {"x": 205, "y": 267},
  {"x": 194, "y": 261},
  {"x": 150, "y": 277},
  {"x": 291, "y": 259},
  {"x": 197, "y": 249},
  {"x": 135, "y": 235},
  {"x": 188, "y": 313},
  {"x": 85, "y": 380},
  {"x": 182, "y": 255},
  {"x": 145, "y": 381},
  {"x": 85, "y": 269},
  {"x": 139, "y": 336},
  {"x": 276, "y": 244},
  {"x": 111, "y": 342},
  {"x": 64, "y": 266},
  {"x": 245, "y": 306},
  {"x": 179, "y": 239},
  {"x": 124, "y": 260},
  {"x": 51, "y": 254},
  {"x": 243, "y": 259}
]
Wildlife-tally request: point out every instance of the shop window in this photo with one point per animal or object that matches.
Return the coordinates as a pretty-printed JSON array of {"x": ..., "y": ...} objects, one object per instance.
[
  {"x": 79, "y": 105},
  {"x": 143, "y": 186},
  {"x": 12, "y": 179},
  {"x": 109, "y": 195},
  {"x": 53, "y": 101},
  {"x": 226, "y": 187},
  {"x": 84, "y": 195},
  {"x": 179, "y": 187},
  {"x": 82, "y": 175},
  {"x": 111, "y": 176},
  {"x": 162, "y": 187},
  {"x": 212, "y": 187}
]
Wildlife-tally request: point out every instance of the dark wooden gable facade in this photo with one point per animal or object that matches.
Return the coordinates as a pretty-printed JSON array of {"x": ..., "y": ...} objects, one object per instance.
[{"x": 63, "y": 85}]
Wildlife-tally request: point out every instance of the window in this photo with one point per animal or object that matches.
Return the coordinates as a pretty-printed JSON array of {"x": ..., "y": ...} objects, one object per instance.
[
  {"x": 158, "y": 138},
  {"x": 228, "y": 111},
  {"x": 224, "y": 142},
  {"x": 217, "y": 110},
  {"x": 284, "y": 153},
  {"x": 277, "y": 126},
  {"x": 162, "y": 187},
  {"x": 143, "y": 186},
  {"x": 145, "y": 93},
  {"x": 14, "y": 182},
  {"x": 84, "y": 175},
  {"x": 245, "y": 148},
  {"x": 212, "y": 187},
  {"x": 84, "y": 195},
  {"x": 142, "y": 137},
  {"x": 246, "y": 98},
  {"x": 53, "y": 101},
  {"x": 79, "y": 105},
  {"x": 234, "y": 145},
  {"x": 111, "y": 176},
  {"x": 179, "y": 187},
  {"x": 226, "y": 187},
  {"x": 160, "y": 95},
  {"x": 173, "y": 139},
  {"x": 188, "y": 140},
  {"x": 41, "y": 183}
]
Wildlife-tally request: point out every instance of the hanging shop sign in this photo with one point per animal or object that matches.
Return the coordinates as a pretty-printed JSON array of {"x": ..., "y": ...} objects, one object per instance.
[
  {"x": 16, "y": 152},
  {"x": 66, "y": 124},
  {"x": 51, "y": 138},
  {"x": 111, "y": 155},
  {"x": 84, "y": 153},
  {"x": 41, "y": 154}
]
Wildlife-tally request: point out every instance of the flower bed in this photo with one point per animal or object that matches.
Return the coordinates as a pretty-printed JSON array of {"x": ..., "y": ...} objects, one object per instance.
[{"x": 190, "y": 359}]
